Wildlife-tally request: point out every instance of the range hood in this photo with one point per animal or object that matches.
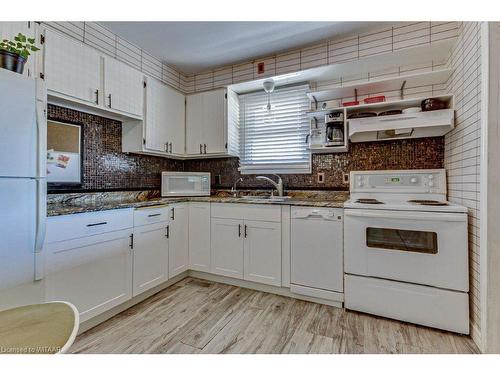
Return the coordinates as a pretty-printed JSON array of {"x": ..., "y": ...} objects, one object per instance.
[{"x": 410, "y": 125}]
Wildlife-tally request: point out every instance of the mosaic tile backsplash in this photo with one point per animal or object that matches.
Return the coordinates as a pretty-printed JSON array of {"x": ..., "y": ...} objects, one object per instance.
[
  {"x": 423, "y": 153},
  {"x": 105, "y": 167}
]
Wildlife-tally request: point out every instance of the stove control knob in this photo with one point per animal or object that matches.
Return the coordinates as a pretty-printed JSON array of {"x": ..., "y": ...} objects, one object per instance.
[
  {"x": 413, "y": 180},
  {"x": 360, "y": 183},
  {"x": 431, "y": 184},
  {"x": 431, "y": 177}
]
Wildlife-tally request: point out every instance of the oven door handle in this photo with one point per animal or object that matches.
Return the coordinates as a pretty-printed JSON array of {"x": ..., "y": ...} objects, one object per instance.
[{"x": 405, "y": 215}]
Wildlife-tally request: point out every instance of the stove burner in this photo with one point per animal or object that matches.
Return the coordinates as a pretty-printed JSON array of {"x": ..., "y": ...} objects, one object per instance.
[
  {"x": 368, "y": 201},
  {"x": 425, "y": 202}
]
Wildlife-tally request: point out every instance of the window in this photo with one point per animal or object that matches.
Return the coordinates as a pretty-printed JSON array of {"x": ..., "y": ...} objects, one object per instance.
[{"x": 274, "y": 141}]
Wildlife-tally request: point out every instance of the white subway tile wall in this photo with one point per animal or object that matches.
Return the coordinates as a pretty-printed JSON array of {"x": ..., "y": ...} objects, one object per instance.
[
  {"x": 463, "y": 149},
  {"x": 387, "y": 39}
]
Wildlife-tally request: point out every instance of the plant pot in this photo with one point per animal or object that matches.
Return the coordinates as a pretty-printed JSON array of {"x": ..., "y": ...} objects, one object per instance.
[{"x": 12, "y": 61}]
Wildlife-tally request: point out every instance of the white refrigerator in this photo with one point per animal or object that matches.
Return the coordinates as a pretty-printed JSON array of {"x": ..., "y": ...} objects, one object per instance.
[{"x": 23, "y": 187}]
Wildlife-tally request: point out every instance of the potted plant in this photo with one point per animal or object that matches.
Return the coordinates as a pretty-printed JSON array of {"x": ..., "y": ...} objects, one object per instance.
[{"x": 14, "y": 53}]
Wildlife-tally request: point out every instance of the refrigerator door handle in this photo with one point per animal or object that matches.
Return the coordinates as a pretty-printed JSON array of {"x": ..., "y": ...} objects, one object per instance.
[{"x": 41, "y": 123}]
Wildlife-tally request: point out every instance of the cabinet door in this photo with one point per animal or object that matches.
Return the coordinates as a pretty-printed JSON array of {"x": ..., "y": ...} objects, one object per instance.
[
  {"x": 123, "y": 87},
  {"x": 194, "y": 124},
  {"x": 227, "y": 247},
  {"x": 175, "y": 112},
  {"x": 156, "y": 117},
  {"x": 214, "y": 121},
  {"x": 150, "y": 256},
  {"x": 94, "y": 273},
  {"x": 72, "y": 68},
  {"x": 178, "y": 254},
  {"x": 199, "y": 236},
  {"x": 262, "y": 252}
]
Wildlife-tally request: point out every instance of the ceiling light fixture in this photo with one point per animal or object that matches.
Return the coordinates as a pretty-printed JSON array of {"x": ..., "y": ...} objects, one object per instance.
[{"x": 269, "y": 88}]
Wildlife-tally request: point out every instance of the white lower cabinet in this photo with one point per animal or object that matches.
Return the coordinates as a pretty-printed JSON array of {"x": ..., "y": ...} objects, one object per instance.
[
  {"x": 178, "y": 254},
  {"x": 94, "y": 273},
  {"x": 246, "y": 242},
  {"x": 262, "y": 252},
  {"x": 227, "y": 247},
  {"x": 150, "y": 256},
  {"x": 199, "y": 236}
]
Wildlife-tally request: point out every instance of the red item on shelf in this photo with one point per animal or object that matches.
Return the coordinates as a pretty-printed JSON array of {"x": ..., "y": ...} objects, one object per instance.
[
  {"x": 374, "y": 99},
  {"x": 349, "y": 104}
]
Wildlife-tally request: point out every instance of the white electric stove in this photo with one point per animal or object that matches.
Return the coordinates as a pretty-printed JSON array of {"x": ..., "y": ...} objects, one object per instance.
[{"x": 406, "y": 249}]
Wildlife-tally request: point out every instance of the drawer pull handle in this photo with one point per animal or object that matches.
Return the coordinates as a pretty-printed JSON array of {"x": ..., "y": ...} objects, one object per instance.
[
  {"x": 239, "y": 230},
  {"x": 167, "y": 234},
  {"x": 246, "y": 232},
  {"x": 173, "y": 213},
  {"x": 96, "y": 224},
  {"x": 153, "y": 215}
]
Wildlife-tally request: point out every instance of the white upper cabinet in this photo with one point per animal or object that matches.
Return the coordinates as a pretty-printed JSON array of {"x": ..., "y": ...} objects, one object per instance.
[
  {"x": 206, "y": 123},
  {"x": 123, "y": 87},
  {"x": 163, "y": 129},
  {"x": 72, "y": 69}
]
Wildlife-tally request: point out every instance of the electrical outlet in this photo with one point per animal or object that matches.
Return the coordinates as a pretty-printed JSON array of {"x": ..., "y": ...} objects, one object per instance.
[
  {"x": 320, "y": 178},
  {"x": 346, "y": 178}
]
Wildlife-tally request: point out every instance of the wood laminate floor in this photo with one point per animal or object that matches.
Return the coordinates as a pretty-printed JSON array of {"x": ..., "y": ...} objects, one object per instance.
[{"x": 198, "y": 316}]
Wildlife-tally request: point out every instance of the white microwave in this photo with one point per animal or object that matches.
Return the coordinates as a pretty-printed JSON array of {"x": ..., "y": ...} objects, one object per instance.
[{"x": 181, "y": 184}]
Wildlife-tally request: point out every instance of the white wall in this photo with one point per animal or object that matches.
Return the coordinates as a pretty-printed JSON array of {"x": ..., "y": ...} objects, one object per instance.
[{"x": 463, "y": 150}]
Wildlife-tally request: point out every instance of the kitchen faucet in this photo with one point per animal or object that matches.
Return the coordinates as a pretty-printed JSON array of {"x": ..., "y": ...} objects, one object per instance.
[
  {"x": 278, "y": 185},
  {"x": 233, "y": 189}
]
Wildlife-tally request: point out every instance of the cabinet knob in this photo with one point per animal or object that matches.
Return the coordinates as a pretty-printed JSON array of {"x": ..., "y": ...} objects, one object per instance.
[
  {"x": 204, "y": 148},
  {"x": 201, "y": 151}
]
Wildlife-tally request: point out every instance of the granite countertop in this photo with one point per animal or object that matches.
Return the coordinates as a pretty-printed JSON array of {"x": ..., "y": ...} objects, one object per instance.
[{"x": 67, "y": 204}]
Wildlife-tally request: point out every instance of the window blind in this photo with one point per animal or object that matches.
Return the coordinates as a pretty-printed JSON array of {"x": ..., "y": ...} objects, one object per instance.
[{"x": 274, "y": 141}]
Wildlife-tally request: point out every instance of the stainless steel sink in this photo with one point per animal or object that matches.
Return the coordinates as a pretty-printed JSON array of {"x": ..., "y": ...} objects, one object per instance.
[{"x": 265, "y": 198}]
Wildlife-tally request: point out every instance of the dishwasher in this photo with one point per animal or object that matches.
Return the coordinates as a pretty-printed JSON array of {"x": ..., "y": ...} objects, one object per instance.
[{"x": 317, "y": 252}]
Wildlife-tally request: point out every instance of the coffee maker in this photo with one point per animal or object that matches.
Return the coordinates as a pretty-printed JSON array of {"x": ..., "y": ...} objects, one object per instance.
[{"x": 334, "y": 129}]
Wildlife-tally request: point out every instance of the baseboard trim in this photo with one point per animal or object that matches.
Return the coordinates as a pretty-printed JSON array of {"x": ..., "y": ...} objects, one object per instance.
[{"x": 262, "y": 288}]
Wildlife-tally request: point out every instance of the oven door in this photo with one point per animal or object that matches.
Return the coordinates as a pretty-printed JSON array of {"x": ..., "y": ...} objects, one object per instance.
[{"x": 426, "y": 248}]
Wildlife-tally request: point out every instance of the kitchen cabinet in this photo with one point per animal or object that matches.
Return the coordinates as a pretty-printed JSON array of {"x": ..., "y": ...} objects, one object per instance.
[
  {"x": 178, "y": 254},
  {"x": 246, "y": 242},
  {"x": 123, "y": 87},
  {"x": 88, "y": 260},
  {"x": 150, "y": 248},
  {"x": 72, "y": 69},
  {"x": 227, "y": 247},
  {"x": 162, "y": 131},
  {"x": 206, "y": 123},
  {"x": 199, "y": 236},
  {"x": 262, "y": 252}
]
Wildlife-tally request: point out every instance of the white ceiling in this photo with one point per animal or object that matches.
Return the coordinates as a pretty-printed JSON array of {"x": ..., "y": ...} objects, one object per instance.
[{"x": 196, "y": 46}]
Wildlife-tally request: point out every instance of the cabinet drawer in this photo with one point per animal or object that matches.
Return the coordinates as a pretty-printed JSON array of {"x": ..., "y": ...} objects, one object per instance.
[
  {"x": 259, "y": 212},
  {"x": 151, "y": 215},
  {"x": 62, "y": 228}
]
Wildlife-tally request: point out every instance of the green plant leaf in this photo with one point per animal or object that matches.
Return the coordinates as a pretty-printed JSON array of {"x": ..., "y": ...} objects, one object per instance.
[{"x": 31, "y": 40}]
